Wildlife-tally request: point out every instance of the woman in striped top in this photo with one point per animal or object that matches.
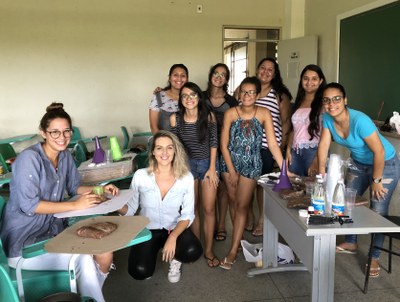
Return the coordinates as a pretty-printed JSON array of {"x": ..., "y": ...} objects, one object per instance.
[
  {"x": 306, "y": 123},
  {"x": 276, "y": 98},
  {"x": 196, "y": 128}
]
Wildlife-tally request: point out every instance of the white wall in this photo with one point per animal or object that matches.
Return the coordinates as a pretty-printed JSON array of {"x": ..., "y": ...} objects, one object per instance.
[{"x": 103, "y": 58}]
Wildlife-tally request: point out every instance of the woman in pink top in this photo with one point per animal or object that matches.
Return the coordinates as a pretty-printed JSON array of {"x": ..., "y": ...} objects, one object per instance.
[{"x": 304, "y": 138}]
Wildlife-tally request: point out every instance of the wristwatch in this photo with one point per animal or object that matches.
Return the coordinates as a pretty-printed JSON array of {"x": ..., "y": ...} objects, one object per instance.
[{"x": 377, "y": 180}]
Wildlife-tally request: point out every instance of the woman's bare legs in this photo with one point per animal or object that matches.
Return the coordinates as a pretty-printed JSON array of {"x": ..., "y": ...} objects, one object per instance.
[
  {"x": 242, "y": 196},
  {"x": 195, "y": 227},
  {"x": 222, "y": 208},
  {"x": 208, "y": 194}
]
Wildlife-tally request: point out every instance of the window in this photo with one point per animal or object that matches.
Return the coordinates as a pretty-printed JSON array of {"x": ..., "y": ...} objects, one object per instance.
[{"x": 245, "y": 47}]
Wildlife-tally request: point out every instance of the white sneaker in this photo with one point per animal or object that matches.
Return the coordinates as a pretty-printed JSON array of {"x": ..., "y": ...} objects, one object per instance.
[{"x": 174, "y": 274}]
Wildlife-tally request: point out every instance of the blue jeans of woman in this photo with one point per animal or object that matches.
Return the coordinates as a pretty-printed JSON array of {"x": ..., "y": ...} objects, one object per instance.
[
  {"x": 360, "y": 180},
  {"x": 302, "y": 160}
]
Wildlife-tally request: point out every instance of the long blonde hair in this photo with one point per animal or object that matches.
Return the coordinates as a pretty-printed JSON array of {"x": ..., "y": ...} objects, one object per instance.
[{"x": 179, "y": 163}]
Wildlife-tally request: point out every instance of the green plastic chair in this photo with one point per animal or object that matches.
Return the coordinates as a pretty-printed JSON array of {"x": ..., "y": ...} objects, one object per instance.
[
  {"x": 80, "y": 153},
  {"x": 35, "y": 284},
  {"x": 7, "y": 152},
  {"x": 125, "y": 146},
  {"x": 7, "y": 290}
]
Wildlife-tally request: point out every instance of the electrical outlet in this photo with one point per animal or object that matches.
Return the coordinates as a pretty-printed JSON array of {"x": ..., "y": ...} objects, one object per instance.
[{"x": 199, "y": 8}]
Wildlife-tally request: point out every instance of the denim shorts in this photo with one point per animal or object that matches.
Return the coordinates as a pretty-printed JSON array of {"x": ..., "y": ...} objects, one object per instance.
[
  {"x": 199, "y": 167},
  {"x": 302, "y": 160}
]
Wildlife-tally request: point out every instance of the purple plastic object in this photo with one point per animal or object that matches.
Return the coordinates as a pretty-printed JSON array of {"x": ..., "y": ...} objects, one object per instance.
[
  {"x": 99, "y": 154},
  {"x": 284, "y": 182}
]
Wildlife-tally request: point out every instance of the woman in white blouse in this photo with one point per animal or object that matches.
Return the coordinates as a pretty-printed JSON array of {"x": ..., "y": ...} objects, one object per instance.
[{"x": 165, "y": 194}]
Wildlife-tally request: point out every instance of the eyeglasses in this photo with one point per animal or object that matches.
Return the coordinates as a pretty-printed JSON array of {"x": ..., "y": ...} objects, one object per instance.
[
  {"x": 191, "y": 96},
  {"x": 216, "y": 74},
  {"x": 56, "y": 133},
  {"x": 335, "y": 99},
  {"x": 249, "y": 93}
]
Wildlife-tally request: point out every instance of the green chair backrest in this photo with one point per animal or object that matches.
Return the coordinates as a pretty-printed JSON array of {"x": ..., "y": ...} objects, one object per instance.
[
  {"x": 80, "y": 153},
  {"x": 126, "y": 138},
  {"x": 4, "y": 164},
  {"x": 7, "y": 152},
  {"x": 76, "y": 134}
]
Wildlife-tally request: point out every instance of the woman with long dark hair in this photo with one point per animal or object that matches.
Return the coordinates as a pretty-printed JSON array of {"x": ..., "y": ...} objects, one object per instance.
[
  {"x": 196, "y": 127},
  {"x": 306, "y": 123},
  {"x": 220, "y": 100},
  {"x": 165, "y": 101}
]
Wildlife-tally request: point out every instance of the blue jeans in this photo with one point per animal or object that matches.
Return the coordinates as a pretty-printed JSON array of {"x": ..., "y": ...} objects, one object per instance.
[
  {"x": 199, "y": 167},
  {"x": 302, "y": 160},
  {"x": 361, "y": 179}
]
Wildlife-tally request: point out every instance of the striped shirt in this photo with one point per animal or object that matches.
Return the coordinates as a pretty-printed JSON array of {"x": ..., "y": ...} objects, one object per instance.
[
  {"x": 270, "y": 101},
  {"x": 188, "y": 134}
]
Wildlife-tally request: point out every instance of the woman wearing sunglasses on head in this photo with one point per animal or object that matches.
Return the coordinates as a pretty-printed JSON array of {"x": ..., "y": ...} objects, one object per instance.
[
  {"x": 220, "y": 100},
  {"x": 42, "y": 174},
  {"x": 373, "y": 155}
]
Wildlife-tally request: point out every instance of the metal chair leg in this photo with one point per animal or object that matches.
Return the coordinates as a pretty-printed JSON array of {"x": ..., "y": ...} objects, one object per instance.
[
  {"x": 368, "y": 268},
  {"x": 390, "y": 255}
]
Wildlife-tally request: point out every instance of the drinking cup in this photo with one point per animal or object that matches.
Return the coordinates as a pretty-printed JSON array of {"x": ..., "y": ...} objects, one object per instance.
[
  {"x": 350, "y": 199},
  {"x": 108, "y": 156}
]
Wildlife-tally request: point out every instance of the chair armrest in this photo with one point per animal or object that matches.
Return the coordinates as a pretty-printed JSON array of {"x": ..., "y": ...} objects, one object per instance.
[
  {"x": 143, "y": 236},
  {"x": 34, "y": 250}
]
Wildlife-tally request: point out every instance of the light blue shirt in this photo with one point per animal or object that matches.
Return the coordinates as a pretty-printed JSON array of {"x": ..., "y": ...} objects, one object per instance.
[
  {"x": 361, "y": 127},
  {"x": 177, "y": 205},
  {"x": 35, "y": 179}
]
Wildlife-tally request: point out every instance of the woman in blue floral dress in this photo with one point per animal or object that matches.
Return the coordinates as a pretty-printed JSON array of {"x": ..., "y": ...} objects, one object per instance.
[{"x": 241, "y": 140}]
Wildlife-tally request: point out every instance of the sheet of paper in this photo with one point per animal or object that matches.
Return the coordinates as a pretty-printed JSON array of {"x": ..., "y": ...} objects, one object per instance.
[{"x": 108, "y": 206}]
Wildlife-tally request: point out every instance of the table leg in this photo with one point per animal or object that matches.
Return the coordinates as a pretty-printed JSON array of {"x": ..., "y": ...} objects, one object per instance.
[{"x": 323, "y": 273}]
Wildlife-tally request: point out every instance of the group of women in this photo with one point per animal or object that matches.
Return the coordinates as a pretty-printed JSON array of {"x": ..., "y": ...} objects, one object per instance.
[
  {"x": 206, "y": 146},
  {"x": 252, "y": 136}
]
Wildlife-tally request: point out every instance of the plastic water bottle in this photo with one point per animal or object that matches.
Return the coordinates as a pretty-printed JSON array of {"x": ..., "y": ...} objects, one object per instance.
[
  {"x": 318, "y": 197},
  {"x": 339, "y": 201}
]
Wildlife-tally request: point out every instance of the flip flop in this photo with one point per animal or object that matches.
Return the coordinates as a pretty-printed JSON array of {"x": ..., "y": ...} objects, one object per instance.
[
  {"x": 220, "y": 235},
  {"x": 258, "y": 231},
  {"x": 342, "y": 250},
  {"x": 212, "y": 262},
  {"x": 226, "y": 265},
  {"x": 249, "y": 227},
  {"x": 373, "y": 272}
]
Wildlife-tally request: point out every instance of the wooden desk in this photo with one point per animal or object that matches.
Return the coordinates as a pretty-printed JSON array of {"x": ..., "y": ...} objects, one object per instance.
[
  {"x": 16, "y": 139},
  {"x": 314, "y": 244}
]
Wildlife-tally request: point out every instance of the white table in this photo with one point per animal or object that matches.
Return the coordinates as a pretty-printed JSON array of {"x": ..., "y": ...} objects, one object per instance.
[{"x": 315, "y": 245}]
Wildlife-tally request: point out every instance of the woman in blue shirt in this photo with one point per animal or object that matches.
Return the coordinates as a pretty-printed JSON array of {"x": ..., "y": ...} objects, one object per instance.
[
  {"x": 42, "y": 174},
  {"x": 165, "y": 194},
  {"x": 374, "y": 157}
]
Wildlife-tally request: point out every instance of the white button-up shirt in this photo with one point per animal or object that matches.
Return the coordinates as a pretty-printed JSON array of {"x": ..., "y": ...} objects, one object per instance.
[{"x": 177, "y": 205}]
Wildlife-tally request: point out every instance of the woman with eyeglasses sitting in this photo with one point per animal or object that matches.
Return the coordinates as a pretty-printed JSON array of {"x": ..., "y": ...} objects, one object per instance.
[
  {"x": 196, "y": 127},
  {"x": 42, "y": 174},
  {"x": 241, "y": 140},
  {"x": 375, "y": 160},
  {"x": 306, "y": 123}
]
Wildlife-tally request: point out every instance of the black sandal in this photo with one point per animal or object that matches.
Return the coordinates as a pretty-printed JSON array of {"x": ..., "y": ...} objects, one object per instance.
[{"x": 220, "y": 235}]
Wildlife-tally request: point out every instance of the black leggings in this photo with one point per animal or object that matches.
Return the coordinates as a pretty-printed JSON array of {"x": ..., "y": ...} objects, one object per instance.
[{"x": 143, "y": 257}]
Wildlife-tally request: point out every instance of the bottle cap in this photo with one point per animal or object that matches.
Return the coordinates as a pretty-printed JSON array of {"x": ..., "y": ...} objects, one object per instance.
[{"x": 303, "y": 213}]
